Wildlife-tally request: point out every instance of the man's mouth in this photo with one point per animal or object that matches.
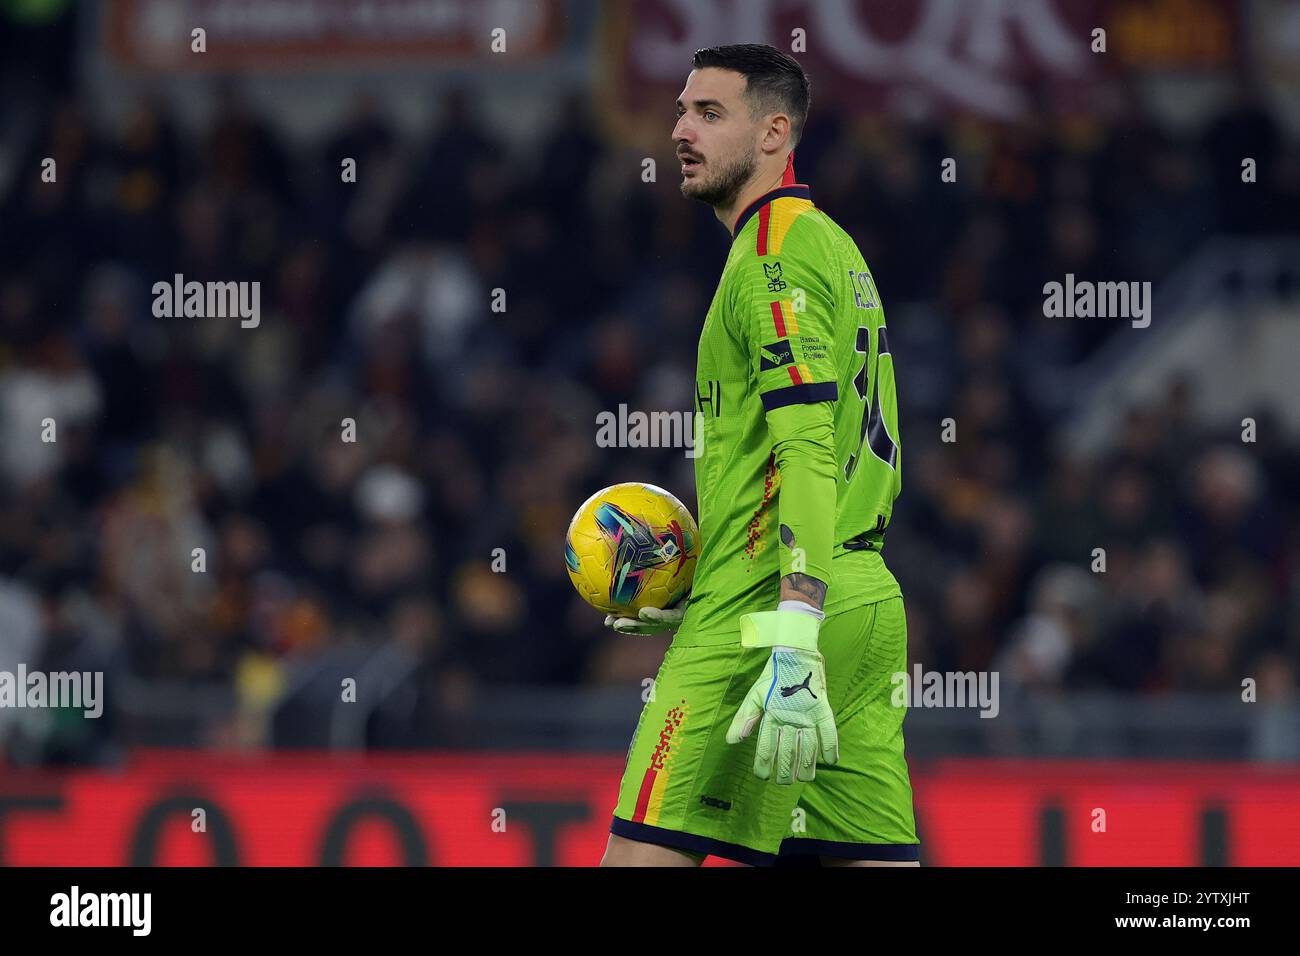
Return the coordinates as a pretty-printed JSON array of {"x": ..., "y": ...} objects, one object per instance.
[{"x": 689, "y": 163}]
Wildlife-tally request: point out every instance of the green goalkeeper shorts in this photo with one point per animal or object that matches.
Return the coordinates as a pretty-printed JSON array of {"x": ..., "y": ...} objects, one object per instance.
[{"x": 684, "y": 786}]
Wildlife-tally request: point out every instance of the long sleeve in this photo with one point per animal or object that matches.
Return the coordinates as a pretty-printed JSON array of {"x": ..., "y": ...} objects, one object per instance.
[
  {"x": 803, "y": 440},
  {"x": 787, "y": 324}
]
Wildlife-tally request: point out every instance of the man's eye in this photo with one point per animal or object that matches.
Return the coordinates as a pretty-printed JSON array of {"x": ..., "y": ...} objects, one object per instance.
[{"x": 708, "y": 113}]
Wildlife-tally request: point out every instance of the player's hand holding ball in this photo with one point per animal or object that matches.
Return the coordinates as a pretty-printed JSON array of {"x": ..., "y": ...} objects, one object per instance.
[
  {"x": 631, "y": 551},
  {"x": 649, "y": 620}
]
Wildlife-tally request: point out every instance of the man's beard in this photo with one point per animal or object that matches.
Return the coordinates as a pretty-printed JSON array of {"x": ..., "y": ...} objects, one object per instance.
[{"x": 731, "y": 179}]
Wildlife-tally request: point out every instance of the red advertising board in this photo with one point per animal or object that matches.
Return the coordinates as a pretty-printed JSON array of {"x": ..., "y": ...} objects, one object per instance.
[
  {"x": 526, "y": 810},
  {"x": 328, "y": 34},
  {"x": 987, "y": 57}
]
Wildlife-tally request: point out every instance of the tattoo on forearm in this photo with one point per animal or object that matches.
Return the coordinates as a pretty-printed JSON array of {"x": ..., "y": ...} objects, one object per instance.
[{"x": 804, "y": 588}]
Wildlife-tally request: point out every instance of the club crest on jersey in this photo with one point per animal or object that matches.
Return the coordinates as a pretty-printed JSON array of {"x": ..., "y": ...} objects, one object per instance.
[
  {"x": 774, "y": 281},
  {"x": 775, "y": 355}
]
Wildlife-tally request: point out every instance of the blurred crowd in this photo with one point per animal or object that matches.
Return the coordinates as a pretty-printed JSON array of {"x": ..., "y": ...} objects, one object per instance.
[{"x": 202, "y": 531}]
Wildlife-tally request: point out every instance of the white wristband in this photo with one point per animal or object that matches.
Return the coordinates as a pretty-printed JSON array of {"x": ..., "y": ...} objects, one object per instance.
[{"x": 803, "y": 607}]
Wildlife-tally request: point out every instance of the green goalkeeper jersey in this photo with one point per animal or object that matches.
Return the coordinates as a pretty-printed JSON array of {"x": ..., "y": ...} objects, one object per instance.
[{"x": 798, "y": 459}]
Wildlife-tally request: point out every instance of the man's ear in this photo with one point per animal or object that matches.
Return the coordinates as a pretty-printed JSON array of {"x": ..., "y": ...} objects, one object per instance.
[{"x": 778, "y": 133}]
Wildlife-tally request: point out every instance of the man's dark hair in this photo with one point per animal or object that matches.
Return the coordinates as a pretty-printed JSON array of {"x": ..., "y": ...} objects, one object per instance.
[{"x": 774, "y": 82}]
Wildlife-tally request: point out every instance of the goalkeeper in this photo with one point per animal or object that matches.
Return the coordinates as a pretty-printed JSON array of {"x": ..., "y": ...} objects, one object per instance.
[{"x": 770, "y": 733}]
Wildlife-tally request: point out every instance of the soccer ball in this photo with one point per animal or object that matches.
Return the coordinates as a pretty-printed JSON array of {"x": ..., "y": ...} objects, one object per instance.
[{"x": 631, "y": 546}]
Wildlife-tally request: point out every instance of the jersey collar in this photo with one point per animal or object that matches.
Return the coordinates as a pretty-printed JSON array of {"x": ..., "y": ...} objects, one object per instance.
[{"x": 788, "y": 187}]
